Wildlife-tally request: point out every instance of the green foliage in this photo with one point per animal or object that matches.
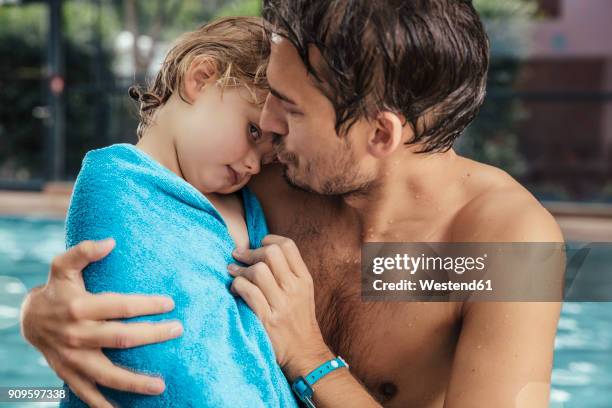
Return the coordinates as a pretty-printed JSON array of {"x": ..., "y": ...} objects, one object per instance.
[
  {"x": 241, "y": 8},
  {"x": 24, "y": 111},
  {"x": 21, "y": 82},
  {"x": 28, "y": 22},
  {"x": 493, "y": 137},
  {"x": 495, "y": 9},
  {"x": 84, "y": 20},
  {"x": 21, "y": 135}
]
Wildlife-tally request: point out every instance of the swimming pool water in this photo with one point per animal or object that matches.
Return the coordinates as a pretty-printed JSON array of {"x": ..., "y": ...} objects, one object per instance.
[{"x": 582, "y": 374}]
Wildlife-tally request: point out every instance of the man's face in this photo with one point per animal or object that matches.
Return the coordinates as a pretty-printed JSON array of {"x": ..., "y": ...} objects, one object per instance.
[{"x": 314, "y": 157}]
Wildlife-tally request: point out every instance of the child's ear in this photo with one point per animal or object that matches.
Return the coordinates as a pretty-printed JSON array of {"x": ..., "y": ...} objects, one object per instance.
[{"x": 201, "y": 72}]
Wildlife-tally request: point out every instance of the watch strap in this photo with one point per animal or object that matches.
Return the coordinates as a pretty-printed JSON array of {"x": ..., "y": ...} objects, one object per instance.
[
  {"x": 324, "y": 369},
  {"x": 302, "y": 386}
]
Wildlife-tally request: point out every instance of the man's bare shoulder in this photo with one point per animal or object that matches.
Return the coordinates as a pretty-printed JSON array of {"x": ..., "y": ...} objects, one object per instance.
[{"x": 500, "y": 209}]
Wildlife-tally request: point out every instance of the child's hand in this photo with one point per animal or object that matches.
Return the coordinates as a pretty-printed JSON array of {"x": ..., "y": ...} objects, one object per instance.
[{"x": 279, "y": 289}]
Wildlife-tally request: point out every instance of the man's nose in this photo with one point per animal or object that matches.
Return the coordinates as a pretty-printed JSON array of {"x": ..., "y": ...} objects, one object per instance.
[{"x": 272, "y": 119}]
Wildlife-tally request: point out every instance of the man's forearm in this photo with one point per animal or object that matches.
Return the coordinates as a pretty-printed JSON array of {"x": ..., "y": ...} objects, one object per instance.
[
  {"x": 337, "y": 389},
  {"x": 284, "y": 302}
]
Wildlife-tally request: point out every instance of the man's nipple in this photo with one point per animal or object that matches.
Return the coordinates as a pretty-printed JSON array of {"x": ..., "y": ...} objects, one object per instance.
[{"x": 387, "y": 390}]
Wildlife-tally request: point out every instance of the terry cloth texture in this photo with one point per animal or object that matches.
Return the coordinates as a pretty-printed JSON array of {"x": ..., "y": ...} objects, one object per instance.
[{"x": 172, "y": 241}]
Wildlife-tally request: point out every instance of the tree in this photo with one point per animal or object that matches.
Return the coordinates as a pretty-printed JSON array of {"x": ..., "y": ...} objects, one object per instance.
[
  {"x": 151, "y": 22},
  {"x": 493, "y": 138}
]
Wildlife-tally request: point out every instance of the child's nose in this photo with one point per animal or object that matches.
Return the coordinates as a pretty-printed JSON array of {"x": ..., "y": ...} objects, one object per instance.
[{"x": 253, "y": 162}]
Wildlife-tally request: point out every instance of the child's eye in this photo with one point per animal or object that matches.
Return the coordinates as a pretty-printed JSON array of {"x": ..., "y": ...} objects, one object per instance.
[{"x": 254, "y": 132}]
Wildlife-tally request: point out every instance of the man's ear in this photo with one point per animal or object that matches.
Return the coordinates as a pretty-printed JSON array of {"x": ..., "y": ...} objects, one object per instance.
[
  {"x": 201, "y": 72},
  {"x": 387, "y": 136}
]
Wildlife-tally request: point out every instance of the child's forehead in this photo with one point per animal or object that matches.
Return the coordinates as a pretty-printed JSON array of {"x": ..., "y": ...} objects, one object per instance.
[{"x": 255, "y": 96}]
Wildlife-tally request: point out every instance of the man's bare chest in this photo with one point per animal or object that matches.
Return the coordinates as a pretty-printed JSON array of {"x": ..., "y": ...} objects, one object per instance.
[{"x": 389, "y": 345}]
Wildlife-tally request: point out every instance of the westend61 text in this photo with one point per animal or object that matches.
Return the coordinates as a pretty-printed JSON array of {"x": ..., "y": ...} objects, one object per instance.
[{"x": 432, "y": 285}]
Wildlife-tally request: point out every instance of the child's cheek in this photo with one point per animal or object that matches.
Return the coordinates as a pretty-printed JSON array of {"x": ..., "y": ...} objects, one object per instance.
[{"x": 237, "y": 150}]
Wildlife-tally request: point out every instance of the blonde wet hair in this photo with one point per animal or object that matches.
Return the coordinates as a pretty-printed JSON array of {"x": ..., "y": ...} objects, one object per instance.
[{"x": 238, "y": 46}]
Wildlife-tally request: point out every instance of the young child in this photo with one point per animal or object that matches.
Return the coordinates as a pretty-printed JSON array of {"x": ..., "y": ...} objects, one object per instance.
[{"x": 176, "y": 205}]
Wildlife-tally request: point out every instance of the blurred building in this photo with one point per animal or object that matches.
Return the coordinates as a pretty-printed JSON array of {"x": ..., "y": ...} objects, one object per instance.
[{"x": 565, "y": 82}]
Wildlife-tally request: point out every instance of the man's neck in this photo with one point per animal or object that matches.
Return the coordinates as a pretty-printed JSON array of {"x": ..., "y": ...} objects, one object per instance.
[{"x": 411, "y": 190}]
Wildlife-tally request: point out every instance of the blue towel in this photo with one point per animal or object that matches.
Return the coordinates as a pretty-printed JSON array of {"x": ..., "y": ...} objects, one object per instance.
[{"x": 172, "y": 241}]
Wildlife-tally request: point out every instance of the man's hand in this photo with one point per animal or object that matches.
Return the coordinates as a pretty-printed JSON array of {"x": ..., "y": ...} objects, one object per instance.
[
  {"x": 68, "y": 325},
  {"x": 278, "y": 287}
]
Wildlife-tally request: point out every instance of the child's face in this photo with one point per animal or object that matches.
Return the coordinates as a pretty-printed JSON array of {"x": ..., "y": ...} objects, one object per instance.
[{"x": 218, "y": 140}]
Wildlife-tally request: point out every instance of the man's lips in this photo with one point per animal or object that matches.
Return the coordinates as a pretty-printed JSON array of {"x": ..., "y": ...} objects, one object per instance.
[
  {"x": 273, "y": 160},
  {"x": 282, "y": 158}
]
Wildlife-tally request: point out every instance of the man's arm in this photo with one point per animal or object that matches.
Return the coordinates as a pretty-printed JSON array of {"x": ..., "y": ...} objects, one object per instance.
[
  {"x": 504, "y": 355},
  {"x": 68, "y": 325},
  {"x": 505, "y": 349},
  {"x": 337, "y": 389}
]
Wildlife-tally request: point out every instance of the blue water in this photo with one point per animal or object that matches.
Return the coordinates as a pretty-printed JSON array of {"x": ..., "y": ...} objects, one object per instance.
[{"x": 582, "y": 374}]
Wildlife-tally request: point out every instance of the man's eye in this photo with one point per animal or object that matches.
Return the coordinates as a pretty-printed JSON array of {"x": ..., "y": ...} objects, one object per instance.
[
  {"x": 254, "y": 132},
  {"x": 293, "y": 113}
]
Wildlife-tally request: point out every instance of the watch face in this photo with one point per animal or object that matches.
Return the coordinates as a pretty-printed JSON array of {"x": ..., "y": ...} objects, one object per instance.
[{"x": 302, "y": 388}]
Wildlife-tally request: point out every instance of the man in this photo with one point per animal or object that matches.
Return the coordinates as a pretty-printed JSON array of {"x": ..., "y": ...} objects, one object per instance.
[{"x": 366, "y": 98}]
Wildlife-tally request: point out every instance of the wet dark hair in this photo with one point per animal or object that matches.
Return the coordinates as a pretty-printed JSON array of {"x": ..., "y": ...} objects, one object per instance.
[{"x": 410, "y": 57}]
